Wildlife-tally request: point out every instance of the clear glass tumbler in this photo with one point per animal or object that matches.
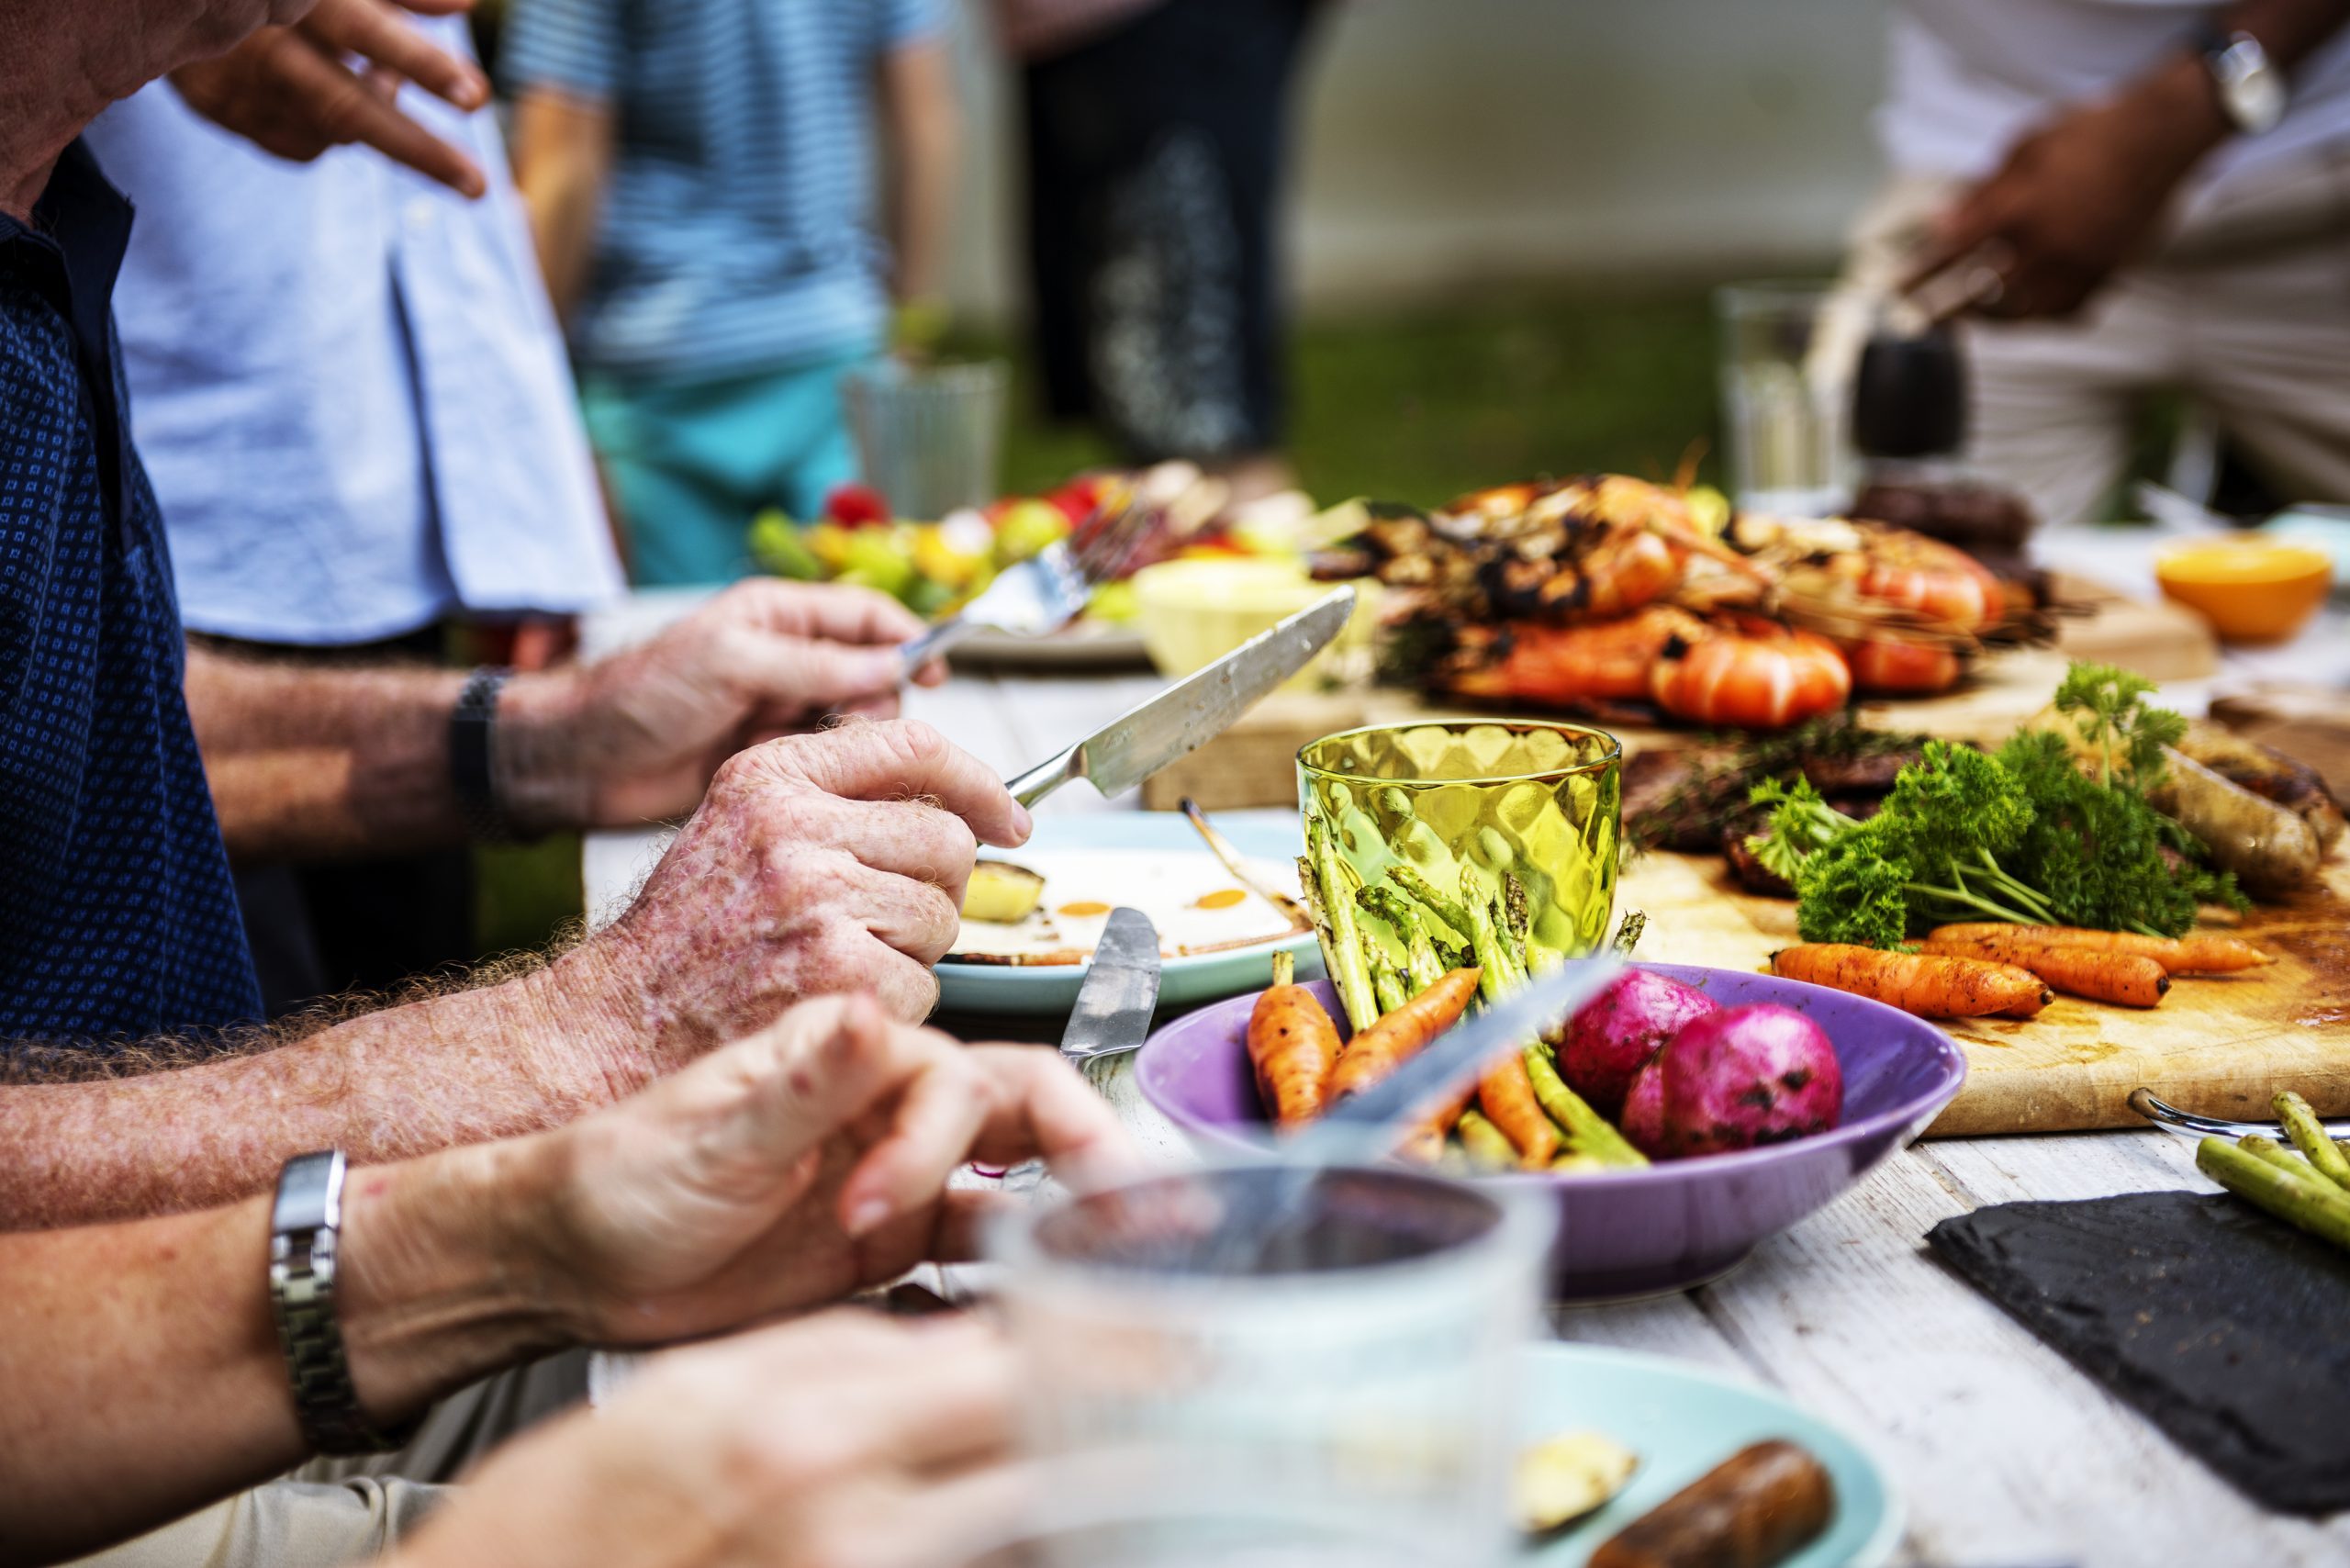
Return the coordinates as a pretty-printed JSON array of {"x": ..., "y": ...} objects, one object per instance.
[
  {"x": 1471, "y": 802},
  {"x": 1334, "y": 1390},
  {"x": 1787, "y": 354},
  {"x": 928, "y": 436}
]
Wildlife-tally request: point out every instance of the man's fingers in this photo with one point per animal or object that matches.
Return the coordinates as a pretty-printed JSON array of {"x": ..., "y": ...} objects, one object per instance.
[
  {"x": 816, "y": 674},
  {"x": 751, "y": 1112},
  {"x": 839, "y": 613},
  {"x": 1963, "y": 230},
  {"x": 342, "y": 109},
  {"x": 936, "y": 1118},
  {"x": 959, "y": 1230},
  {"x": 944, "y": 1398},
  {"x": 901, "y": 759},
  {"x": 375, "y": 32},
  {"x": 1045, "y": 1109},
  {"x": 903, "y": 838}
]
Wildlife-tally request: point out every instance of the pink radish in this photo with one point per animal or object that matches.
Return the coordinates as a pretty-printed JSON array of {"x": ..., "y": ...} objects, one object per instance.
[
  {"x": 1618, "y": 1030},
  {"x": 1735, "y": 1078}
]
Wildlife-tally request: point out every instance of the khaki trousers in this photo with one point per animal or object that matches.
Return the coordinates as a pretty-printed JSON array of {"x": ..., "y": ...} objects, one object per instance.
[
  {"x": 2244, "y": 306},
  {"x": 335, "y": 1511}
]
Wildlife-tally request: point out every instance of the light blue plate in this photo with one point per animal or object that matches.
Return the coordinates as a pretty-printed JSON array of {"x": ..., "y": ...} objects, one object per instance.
[
  {"x": 1183, "y": 981},
  {"x": 1682, "y": 1421}
]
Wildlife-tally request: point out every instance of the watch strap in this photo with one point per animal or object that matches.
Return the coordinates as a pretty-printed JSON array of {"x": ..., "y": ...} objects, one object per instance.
[
  {"x": 305, "y": 1232},
  {"x": 473, "y": 756}
]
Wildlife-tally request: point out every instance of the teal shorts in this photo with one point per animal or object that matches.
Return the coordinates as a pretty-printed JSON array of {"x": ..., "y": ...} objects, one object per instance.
[{"x": 690, "y": 464}]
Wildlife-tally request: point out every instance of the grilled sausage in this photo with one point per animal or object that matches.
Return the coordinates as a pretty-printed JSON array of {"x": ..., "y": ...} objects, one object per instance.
[{"x": 1755, "y": 1508}]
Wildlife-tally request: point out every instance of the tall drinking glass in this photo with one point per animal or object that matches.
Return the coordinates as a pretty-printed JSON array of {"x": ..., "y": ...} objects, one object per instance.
[
  {"x": 1471, "y": 802},
  {"x": 1787, "y": 351},
  {"x": 928, "y": 436},
  {"x": 1336, "y": 1391}
]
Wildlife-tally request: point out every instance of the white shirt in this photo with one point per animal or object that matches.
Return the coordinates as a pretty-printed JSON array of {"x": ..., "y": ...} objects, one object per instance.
[
  {"x": 1968, "y": 78},
  {"x": 346, "y": 384}
]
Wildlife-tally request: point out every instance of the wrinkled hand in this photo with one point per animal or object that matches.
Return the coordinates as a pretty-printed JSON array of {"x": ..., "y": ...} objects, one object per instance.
[
  {"x": 817, "y": 864},
  {"x": 637, "y": 736},
  {"x": 791, "y": 1169},
  {"x": 287, "y": 89},
  {"x": 2079, "y": 198},
  {"x": 844, "y": 1439}
]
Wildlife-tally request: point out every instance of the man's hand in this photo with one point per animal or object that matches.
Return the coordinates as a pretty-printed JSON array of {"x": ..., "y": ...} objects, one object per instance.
[
  {"x": 287, "y": 90},
  {"x": 2077, "y": 198},
  {"x": 791, "y": 1169},
  {"x": 636, "y": 738},
  {"x": 846, "y": 1439},
  {"x": 817, "y": 864}
]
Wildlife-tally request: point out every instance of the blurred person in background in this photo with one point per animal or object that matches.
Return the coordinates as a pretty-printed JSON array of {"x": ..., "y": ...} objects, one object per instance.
[
  {"x": 700, "y": 179},
  {"x": 353, "y": 406},
  {"x": 1156, "y": 133},
  {"x": 2139, "y": 197}
]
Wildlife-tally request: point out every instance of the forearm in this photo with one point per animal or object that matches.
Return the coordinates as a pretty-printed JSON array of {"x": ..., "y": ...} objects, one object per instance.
[
  {"x": 314, "y": 761},
  {"x": 142, "y": 1363},
  {"x": 925, "y": 142},
  {"x": 461, "y": 1067},
  {"x": 2290, "y": 30},
  {"x": 2187, "y": 120},
  {"x": 563, "y": 149}
]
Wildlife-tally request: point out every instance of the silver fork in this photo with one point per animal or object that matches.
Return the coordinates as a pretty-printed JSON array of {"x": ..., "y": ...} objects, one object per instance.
[
  {"x": 1048, "y": 590},
  {"x": 2187, "y": 1124},
  {"x": 1100, "y": 1066}
]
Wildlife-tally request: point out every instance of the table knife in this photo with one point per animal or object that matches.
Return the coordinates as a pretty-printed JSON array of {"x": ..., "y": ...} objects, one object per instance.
[
  {"x": 1194, "y": 710},
  {"x": 1114, "y": 1006},
  {"x": 1370, "y": 1125}
]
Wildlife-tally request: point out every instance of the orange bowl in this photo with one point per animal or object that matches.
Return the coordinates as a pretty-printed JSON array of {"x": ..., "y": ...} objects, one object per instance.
[{"x": 2251, "y": 590}]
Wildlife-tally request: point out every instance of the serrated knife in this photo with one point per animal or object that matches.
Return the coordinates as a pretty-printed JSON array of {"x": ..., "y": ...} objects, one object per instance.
[{"x": 1193, "y": 711}]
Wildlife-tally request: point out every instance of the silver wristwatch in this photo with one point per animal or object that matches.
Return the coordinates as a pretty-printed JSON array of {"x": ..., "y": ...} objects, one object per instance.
[
  {"x": 2252, "y": 90},
  {"x": 304, "y": 1228}
]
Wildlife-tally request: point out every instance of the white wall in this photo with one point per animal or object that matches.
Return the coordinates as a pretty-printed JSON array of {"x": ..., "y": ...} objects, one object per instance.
[{"x": 1446, "y": 143}]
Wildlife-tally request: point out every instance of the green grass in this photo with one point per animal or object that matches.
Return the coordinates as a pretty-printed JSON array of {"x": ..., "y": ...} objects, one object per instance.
[
  {"x": 1417, "y": 406},
  {"x": 1422, "y": 405}
]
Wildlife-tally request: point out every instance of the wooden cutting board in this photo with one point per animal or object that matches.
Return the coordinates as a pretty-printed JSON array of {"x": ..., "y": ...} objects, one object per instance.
[{"x": 2220, "y": 1046}]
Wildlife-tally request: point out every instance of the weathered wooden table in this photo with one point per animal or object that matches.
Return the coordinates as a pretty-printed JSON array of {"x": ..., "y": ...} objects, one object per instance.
[{"x": 2004, "y": 1455}]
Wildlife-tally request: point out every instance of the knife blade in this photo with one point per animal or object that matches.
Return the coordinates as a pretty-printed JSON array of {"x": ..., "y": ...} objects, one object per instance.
[
  {"x": 1114, "y": 1006},
  {"x": 1193, "y": 711},
  {"x": 1368, "y": 1127}
]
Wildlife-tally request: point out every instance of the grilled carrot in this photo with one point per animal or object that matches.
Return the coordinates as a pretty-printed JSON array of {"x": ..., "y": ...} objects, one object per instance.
[
  {"x": 1928, "y": 985},
  {"x": 1378, "y": 1051},
  {"x": 2132, "y": 979},
  {"x": 1292, "y": 1045},
  {"x": 1506, "y": 1096},
  {"x": 2178, "y": 955}
]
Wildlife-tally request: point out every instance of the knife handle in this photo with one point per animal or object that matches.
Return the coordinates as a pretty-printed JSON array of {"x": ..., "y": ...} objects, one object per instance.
[{"x": 1044, "y": 778}]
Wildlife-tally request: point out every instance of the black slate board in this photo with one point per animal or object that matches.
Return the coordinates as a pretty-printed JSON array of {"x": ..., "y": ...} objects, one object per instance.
[{"x": 2227, "y": 1330}]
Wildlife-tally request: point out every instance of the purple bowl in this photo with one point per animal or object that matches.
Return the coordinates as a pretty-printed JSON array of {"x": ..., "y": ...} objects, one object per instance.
[{"x": 1629, "y": 1233}]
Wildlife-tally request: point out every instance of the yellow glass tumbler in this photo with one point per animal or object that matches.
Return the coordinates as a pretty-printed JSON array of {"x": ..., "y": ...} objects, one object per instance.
[{"x": 1469, "y": 802}]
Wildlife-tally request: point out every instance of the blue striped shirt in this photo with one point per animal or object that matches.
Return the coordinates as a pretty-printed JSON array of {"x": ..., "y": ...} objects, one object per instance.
[{"x": 737, "y": 235}]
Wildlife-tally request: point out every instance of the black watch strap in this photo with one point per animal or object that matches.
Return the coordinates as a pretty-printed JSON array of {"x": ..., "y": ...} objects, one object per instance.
[
  {"x": 472, "y": 755},
  {"x": 305, "y": 1228}
]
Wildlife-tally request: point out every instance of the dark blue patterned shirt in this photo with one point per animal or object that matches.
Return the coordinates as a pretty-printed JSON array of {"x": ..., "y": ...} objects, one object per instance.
[{"x": 117, "y": 915}]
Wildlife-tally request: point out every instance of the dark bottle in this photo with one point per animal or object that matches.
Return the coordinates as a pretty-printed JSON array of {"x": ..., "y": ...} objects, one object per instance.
[
  {"x": 1909, "y": 396},
  {"x": 1908, "y": 423}
]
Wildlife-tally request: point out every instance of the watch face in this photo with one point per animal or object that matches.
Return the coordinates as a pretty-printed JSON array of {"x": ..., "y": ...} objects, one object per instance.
[
  {"x": 2251, "y": 88},
  {"x": 309, "y": 1194},
  {"x": 2259, "y": 100}
]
